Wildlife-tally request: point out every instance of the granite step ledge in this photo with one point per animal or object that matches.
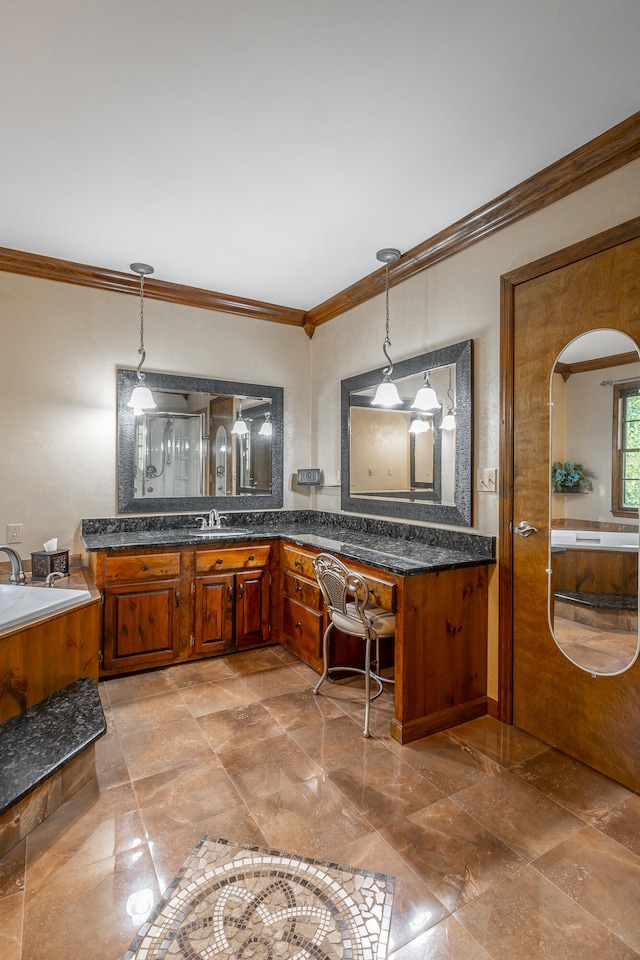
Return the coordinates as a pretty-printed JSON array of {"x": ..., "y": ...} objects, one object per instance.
[{"x": 46, "y": 754}]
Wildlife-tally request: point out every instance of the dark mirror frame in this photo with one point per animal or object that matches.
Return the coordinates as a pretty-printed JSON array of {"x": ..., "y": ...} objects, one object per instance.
[
  {"x": 127, "y": 503},
  {"x": 459, "y": 513}
]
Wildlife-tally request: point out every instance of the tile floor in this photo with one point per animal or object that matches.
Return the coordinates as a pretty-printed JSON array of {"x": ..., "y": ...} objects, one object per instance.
[{"x": 501, "y": 846}]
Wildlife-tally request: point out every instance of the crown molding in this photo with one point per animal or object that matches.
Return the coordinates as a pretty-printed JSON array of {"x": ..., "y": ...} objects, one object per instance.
[{"x": 65, "y": 271}]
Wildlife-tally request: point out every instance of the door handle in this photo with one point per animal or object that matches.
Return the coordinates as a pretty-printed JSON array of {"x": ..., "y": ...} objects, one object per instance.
[{"x": 525, "y": 529}]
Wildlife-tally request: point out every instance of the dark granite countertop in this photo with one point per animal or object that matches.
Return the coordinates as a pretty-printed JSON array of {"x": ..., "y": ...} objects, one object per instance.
[
  {"x": 42, "y": 739},
  {"x": 403, "y": 549}
]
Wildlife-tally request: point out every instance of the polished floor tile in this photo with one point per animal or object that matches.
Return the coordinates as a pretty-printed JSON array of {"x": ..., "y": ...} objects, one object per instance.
[{"x": 501, "y": 846}]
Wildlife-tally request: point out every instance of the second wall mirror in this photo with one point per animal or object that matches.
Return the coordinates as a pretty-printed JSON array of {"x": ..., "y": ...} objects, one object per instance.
[{"x": 405, "y": 462}]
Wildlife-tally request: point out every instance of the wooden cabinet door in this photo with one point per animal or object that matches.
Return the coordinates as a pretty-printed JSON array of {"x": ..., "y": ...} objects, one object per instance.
[
  {"x": 141, "y": 623},
  {"x": 252, "y": 607},
  {"x": 214, "y": 613},
  {"x": 303, "y": 629}
]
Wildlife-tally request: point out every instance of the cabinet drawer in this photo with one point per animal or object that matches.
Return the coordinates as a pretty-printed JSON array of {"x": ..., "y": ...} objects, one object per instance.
[
  {"x": 298, "y": 562},
  {"x": 303, "y": 627},
  {"x": 240, "y": 558},
  {"x": 152, "y": 566},
  {"x": 381, "y": 592},
  {"x": 303, "y": 591}
]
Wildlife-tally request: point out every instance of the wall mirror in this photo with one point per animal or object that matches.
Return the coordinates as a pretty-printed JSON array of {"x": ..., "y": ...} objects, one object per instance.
[
  {"x": 183, "y": 455},
  {"x": 594, "y": 499},
  {"x": 399, "y": 462}
]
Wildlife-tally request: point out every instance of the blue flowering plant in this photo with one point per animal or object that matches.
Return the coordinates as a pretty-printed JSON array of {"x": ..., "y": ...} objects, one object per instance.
[{"x": 571, "y": 476}]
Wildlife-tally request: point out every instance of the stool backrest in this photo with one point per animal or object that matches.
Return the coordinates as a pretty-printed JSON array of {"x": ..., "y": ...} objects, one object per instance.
[{"x": 345, "y": 592}]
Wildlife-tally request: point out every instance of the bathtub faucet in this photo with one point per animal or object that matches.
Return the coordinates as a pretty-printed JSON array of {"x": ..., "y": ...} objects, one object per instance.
[{"x": 17, "y": 574}]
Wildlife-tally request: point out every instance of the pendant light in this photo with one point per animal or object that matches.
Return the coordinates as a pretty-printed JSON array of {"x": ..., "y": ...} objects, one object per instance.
[
  {"x": 449, "y": 421},
  {"x": 240, "y": 427},
  {"x": 141, "y": 397},
  {"x": 387, "y": 392},
  {"x": 420, "y": 425},
  {"x": 267, "y": 427},
  {"x": 426, "y": 397}
]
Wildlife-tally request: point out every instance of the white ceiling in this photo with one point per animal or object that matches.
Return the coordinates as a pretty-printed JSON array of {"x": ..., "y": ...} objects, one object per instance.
[{"x": 268, "y": 148}]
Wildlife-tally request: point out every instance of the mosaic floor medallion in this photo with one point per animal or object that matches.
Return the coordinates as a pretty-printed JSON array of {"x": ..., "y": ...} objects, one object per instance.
[{"x": 236, "y": 902}]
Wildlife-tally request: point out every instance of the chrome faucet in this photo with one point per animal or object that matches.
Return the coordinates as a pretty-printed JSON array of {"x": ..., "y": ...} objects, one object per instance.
[
  {"x": 50, "y": 579},
  {"x": 212, "y": 521},
  {"x": 17, "y": 574}
]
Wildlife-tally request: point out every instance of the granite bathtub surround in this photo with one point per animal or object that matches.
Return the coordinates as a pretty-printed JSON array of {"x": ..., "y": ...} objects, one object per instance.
[
  {"x": 46, "y": 755},
  {"x": 401, "y": 548}
]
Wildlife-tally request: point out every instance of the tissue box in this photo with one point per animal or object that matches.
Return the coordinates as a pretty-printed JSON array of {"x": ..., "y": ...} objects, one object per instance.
[{"x": 45, "y": 562}]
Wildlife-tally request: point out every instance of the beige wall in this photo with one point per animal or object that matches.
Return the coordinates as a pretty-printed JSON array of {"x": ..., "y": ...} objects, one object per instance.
[{"x": 61, "y": 346}]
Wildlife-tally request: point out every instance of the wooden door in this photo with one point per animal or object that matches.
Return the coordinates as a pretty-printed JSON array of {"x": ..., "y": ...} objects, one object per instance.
[
  {"x": 141, "y": 624},
  {"x": 252, "y": 607},
  {"x": 590, "y": 286},
  {"x": 214, "y": 613}
]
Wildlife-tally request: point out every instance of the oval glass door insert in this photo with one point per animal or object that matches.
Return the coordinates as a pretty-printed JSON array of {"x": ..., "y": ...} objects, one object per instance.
[{"x": 594, "y": 496}]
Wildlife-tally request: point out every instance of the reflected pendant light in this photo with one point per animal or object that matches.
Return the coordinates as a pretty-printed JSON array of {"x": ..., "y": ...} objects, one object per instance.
[
  {"x": 240, "y": 427},
  {"x": 141, "y": 397},
  {"x": 426, "y": 397},
  {"x": 449, "y": 421},
  {"x": 267, "y": 427},
  {"x": 419, "y": 425},
  {"x": 387, "y": 392}
]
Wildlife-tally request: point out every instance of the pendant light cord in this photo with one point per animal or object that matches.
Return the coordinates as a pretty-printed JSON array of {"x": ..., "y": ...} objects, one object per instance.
[
  {"x": 387, "y": 343},
  {"x": 141, "y": 351}
]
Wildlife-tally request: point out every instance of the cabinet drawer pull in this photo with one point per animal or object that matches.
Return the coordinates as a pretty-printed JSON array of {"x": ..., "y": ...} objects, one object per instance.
[
  {"x": 297, "y": 624},
  {"x": 251, "y": 556},
  {"x": 297, "y": 588},
  {"x": 145, "y": 566},
  {"x": 219, "y": 560},
  {"x": 240, "y": 591},
  {"x": 229, "y": 593},
  {"x": 297, "y": 563}
]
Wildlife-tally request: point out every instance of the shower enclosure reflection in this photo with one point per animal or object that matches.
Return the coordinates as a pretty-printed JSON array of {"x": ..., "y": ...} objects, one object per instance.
[{"x": 170, "y": 455}]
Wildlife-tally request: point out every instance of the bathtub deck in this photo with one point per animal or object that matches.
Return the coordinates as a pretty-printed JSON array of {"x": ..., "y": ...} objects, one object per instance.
[{"x": 600, "y": 601}]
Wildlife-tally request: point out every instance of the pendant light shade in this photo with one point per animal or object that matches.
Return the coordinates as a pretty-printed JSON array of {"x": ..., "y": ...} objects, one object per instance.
[
  {"x": 240, "y": 427},
  {"x": 267, "y": 427},
  {"x": 426, "y": 397},
  {"x": 448, "y": 422},
  {"x": 141, "y": 397},
  {"x": 420, "y": 426},
  {"x": 387, "y": 393}
]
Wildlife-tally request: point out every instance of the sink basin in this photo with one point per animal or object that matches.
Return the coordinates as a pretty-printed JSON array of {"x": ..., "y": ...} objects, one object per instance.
[{"x": 215, "y": 533}]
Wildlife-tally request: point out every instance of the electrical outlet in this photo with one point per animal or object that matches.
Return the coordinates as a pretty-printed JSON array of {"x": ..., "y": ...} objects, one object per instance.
[{"x": 14, "y": 533}]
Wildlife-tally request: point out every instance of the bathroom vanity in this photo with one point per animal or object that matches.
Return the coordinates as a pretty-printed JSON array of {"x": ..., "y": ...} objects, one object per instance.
[{"x": 175, "y": 595}]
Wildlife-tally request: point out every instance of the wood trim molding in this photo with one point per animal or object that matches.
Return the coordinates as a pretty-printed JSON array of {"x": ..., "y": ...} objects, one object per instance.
[
  {"x": 65, "y": 271},
  {"x": 508, "y": 283},
  {"x": 600, "y": 156},
  {"x": 606, "y": 153}
]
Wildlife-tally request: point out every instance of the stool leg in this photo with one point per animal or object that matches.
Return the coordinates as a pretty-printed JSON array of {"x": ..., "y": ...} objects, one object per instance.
[
  {"x": 367, "y": 687},
  {"x": 325, "y": 657}
]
